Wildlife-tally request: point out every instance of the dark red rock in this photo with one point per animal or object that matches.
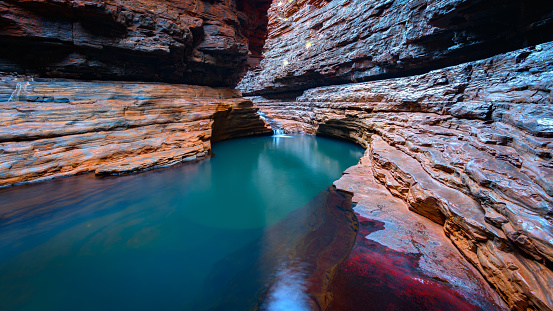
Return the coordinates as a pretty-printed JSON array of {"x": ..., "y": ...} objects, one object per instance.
[
  {"x": 375, "y": 277},
  {"x": 400, "y": 260}
]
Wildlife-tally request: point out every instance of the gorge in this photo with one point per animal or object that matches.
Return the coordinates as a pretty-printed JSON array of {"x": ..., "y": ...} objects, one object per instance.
[{"x": 451, "y": 100}]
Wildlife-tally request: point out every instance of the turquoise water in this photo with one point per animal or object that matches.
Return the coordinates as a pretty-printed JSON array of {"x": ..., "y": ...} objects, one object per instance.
[{"x": 159, "y": 240}]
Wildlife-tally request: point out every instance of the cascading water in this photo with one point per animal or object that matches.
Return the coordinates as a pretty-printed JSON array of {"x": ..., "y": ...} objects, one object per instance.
[
  {"x": 21, "y": 86},
  {"x": 277, "y": 128}
]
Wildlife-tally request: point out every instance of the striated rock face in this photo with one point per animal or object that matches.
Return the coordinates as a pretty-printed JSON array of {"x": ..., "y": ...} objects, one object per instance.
[
  {"x": 317, "y": 42},
  {"x": 194, "y": 42},
  {"x": 469, "y": 147},
  {"x": 60, "y": 128},
  {"x": 400, "y": 260}
]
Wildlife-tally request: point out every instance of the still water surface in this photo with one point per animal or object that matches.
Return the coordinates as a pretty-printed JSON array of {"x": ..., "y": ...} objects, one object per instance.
[{"x": 159, "y": 240}]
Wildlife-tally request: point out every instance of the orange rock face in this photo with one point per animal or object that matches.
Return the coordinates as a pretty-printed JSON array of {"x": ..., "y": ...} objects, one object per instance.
[
  {"x": 53, "y": 129},
  {"x": 468, "y": 147}
]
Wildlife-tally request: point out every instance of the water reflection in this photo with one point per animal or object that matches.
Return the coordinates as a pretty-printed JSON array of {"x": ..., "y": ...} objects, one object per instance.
[{"x": 289, "y": 292}]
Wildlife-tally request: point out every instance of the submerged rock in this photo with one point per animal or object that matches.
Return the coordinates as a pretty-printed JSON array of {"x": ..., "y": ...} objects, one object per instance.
[{"x": 307, "y": 247}]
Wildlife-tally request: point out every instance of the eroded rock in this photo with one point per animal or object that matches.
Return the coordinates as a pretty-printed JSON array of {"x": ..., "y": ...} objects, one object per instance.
[
  {"x": 110, "y": 127},
  {"x": 316, "y": 42},
  {"x": 402, "y": 260}
]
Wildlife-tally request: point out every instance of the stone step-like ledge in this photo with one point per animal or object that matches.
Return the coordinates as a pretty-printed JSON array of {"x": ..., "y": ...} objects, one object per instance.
[{"x": 150, "y": 160}]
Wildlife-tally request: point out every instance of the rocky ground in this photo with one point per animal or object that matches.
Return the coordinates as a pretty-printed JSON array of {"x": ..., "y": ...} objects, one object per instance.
[
  {"x": 469, "y": 147},
  {"x": 401, "y": 260}
]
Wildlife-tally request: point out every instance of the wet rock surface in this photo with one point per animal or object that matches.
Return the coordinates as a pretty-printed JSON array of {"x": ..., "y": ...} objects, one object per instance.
[
  {"x": 468, "y": 147},
  {"x": 314, "y": 43},
  {"x": 400, "y": 260},
  {"x": 60, "y": 128},
  {"x": 193, "y": 42}
]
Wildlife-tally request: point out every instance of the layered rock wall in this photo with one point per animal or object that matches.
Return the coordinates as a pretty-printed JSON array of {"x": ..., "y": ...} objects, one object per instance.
[
  {"x": 401, "y": 260},
  {"x": 60, "y": 128},
  {"x": 312, "y": 43},
  {"x": 469, "y": 147},
  {"x": 193, "y": 42}
]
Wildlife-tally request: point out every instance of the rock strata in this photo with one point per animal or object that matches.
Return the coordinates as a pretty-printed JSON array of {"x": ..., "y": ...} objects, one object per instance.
[
  {"x": 468, "y": 147},
  {"x": 400, "y": 260},
  {"x": 316, "y": 42},
  {"x": 194, "y": 42},
  {"x": 59, "y": 128}
]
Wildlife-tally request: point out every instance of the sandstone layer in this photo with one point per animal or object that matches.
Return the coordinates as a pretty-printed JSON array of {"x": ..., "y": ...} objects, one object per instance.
[
  {"x": 194, "y": 42},
  {"x": 59, "y": 128},
  {"x": 312, "y": 43},
  {"x": 469, "y": 147}
]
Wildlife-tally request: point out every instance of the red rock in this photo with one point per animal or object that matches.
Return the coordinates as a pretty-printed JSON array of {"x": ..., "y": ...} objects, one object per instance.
[
  {"x": 313, "y": 43},
  {"x": 402, "y": 261}
]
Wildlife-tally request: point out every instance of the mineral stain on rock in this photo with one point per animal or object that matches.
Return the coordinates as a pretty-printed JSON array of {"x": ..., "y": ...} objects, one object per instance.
[{"x": 376, "y": 277}]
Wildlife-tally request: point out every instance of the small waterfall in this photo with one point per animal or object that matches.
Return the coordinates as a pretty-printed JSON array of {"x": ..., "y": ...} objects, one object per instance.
[
  {"x": 277, "y": 128},
  {"x": 21, "y": 86},
  {"x": 15, "y": 95}
]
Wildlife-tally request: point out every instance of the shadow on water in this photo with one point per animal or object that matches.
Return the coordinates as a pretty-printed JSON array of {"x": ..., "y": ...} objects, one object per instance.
[{"x": 163, "y": 238}]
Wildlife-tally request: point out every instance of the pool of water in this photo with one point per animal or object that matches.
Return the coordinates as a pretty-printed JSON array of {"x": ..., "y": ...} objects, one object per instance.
[{"x": 218, "y": 234}]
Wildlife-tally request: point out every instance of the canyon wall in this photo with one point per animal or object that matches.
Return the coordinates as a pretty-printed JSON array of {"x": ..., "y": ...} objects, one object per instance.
[
  {"x": 193, "y": 42},
  {"x": 61, "y": 128},
  {"x": 312, "y": 43},
  {"x": 469, "y": 147}
]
